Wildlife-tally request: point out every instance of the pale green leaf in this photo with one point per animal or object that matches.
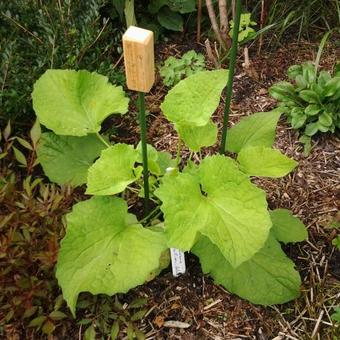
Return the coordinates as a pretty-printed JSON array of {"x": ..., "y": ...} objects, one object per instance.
[
  {"x": 90, "y": 333},
  {"x": 76, "y": 102},
  {"x": 265, "y": 162},
  {"x": 24, "y": 143},
  {"x": 336, "y": 242},
  {"x": 255, "y": 130},
  {"x": 19, "y": 156},
  {"x": 35, "y": 132},
  {"x": 193, "y": 100},
  {"x": 115, "y": 330},
  {"x": 165, "y": 161},
  {"x": 101, "y": 253},
  {"x": 113, "y": 171},
  {"x": 152, "y": 155},
  {"x": 336, "y": 315},
  {"x": 219, "y": 202},
  {"x": 195, "y": 137},
  {"x": 66, "y": 159},
  {"x": 286, "y": 227},
  {"x": 267, "y": 278},
  {"x": 48, "y": 327},
  {"x": 158, "y": 161}
]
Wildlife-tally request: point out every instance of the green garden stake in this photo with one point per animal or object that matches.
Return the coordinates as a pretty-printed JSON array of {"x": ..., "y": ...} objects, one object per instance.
[
  {"x": 233, "y": 56},
  {"x": 138, "y": 49}
]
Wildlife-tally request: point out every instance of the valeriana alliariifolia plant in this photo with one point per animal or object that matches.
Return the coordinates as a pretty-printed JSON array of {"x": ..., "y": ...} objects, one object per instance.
[{"x": 211, "y": 208}]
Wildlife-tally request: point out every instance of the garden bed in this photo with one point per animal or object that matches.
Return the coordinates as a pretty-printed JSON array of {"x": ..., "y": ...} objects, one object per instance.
[{"x": 207, "y": 311}]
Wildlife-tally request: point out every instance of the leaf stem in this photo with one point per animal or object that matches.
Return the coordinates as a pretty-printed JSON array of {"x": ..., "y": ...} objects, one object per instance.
[
  {"x": 102, "y": 140},
  {"x": 178, "y": 155},
  {"x": 233, "y": 56},
  {"x": 190, "y": 155},
  {"x": 149, "y": 215}
]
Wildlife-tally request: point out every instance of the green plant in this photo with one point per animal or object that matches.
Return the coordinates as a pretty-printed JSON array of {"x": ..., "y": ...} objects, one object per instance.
[
  {"x": 211, "y": 209},
  {"x": 336, "y": 242},
  {"x": 336, "y": 315},
  {"x": 175, "y": 69},
  {"x": 169, "y": 12},
  {"x": 108, "y": 316},
  {"x": 245, "y": 30},
  {"x": 155, "y": 15},
  {"x": 312, "y": 101},
  {"x": 298, "y": 19}
]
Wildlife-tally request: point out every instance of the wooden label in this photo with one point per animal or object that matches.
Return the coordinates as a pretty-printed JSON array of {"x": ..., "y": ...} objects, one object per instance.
[{"x": 139, "y": 59}]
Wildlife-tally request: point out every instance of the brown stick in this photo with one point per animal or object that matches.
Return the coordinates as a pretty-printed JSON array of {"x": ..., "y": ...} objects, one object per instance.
[
  {"x": 210, "y": 54},
  {"x": 222, "y": 5},
  {"x": 199, "y": 15},
  {"x": 233, "y": 6},
  {"x": 261, "y": 25},
  {"x": 213, "y": 21}
]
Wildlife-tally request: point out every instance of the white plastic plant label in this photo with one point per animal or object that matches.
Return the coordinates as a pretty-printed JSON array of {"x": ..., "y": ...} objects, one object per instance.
[{"x": 177, "y": 262}]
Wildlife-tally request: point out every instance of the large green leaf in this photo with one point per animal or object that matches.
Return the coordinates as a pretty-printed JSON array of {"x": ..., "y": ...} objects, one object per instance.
[
  {"x": 181, "y": 6},
  {"x": 255, "y": 130},
  {"x": 66, "y": 159},
  {"x": 267, "y": 278},
  {"x": 198, "y": 136},
  {"x": 286, "y": 227},
  {"x": 113, "y": 171},
  {"x": 102, "y": 253},
  {"x": 219, "y": 202},
  {"x": 264, "y": 161},
  {"x": 76, "y": 102},
  {"x": 194, "y": 99},
  {"x": 170, "y": 20}
]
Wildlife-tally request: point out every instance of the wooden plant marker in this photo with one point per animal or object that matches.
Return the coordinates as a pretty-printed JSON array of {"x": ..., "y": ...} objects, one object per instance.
[
  {"x": 140, "y": 75},
  {"x": 139, "y": 59},
  {"x": 139, "y": 63}
]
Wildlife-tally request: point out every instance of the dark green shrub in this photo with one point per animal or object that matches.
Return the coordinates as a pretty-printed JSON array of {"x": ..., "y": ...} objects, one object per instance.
[{"x": 36, "y": 35}]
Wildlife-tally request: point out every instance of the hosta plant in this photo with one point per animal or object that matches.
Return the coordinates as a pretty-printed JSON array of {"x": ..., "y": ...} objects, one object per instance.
[
  {"x": 311, "y": 100},
  {"x": 211, "y": 209}
]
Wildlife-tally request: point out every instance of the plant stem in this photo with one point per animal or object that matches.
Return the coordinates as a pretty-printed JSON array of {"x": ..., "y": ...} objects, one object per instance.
[
  {"x": 178, "y": 155},
  {"x": 102, "y": 140},
  {"x": 149, "y": 215},
  {"x": 233, "y": 56},
  {"x": 142, "y": 124}
]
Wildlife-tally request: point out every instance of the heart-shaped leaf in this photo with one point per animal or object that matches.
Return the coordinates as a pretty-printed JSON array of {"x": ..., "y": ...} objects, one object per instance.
[
  {"x": 102, "y": 253},
  {"x": 255, "y": 130},
  {"x": 286, "y": 227},
  {"x": 267, "y": 278},
  {"x": 66, "y": 159},
  {"x": 198, "y": 136},
  {"x": 193, "y": 100},
  {"x": 113, "y": 171},
  {"x": 75, "y": 103},
  {"x": 219, "y": 202},
  {"x": 263, "y": 161}
]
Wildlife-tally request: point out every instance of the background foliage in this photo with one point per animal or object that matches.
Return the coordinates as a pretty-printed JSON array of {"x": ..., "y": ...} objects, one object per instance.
[{"x": 37, "y": 35}]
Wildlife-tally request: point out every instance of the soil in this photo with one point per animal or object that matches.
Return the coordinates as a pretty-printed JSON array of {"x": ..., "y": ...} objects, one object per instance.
[{"x": 312, "y": 192}]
